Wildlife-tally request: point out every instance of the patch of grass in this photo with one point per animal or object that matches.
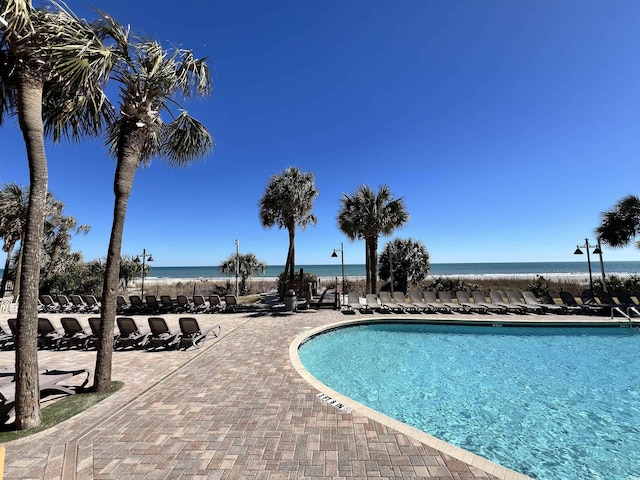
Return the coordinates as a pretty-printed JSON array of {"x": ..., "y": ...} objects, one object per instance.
[{"x": 60, "y": 411}]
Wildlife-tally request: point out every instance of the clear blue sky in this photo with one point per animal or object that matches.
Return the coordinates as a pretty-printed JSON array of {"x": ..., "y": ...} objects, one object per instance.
[{"x": 507, "y": 126}]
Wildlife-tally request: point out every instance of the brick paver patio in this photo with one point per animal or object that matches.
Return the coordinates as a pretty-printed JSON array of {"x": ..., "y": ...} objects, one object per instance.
[{"x": 236, "y": 408}]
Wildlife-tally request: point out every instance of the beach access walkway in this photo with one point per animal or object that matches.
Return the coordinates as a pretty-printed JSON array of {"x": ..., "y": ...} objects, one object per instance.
[{"x": 236, "y": 408}]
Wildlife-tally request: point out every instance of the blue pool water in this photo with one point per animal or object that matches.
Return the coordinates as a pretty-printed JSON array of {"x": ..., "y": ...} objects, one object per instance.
[{"x": 552, "y": 403}]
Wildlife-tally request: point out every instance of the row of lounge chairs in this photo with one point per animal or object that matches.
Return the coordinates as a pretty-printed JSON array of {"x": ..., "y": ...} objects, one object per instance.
[
  {"x": 129, "y": 335},
  {"x": 135, "y": 304},
  {"x": 499, "y": 302},
  {"x": 50, "y": 382}
]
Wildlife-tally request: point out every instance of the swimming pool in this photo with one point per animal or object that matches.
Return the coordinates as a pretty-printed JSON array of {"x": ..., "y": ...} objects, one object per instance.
[{"x": 552, "y": 403}]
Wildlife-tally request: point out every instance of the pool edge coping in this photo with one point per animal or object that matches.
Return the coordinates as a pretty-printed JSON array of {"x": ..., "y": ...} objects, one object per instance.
[{"x": 472, "y": 459}]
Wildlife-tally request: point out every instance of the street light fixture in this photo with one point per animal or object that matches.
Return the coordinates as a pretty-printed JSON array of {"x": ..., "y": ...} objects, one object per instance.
[
  {"x": 335, "y": 255},
  {"x": 598, "y": 251},
  {"x": 146, "y": 257},
  {"x": 237, "y": 264}
]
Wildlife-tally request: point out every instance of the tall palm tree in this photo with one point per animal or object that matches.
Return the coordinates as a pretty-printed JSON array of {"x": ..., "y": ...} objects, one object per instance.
[
  {"x": 58, "y": 231},
  {"x": 150, "y": 78},
  {"x": 366, "y": 215},
  {"x": 247, "y": 263},
  {"x": 36, "y": 46},
  {"x": 620, "y": 225},
  {"x": 288, "y": 202}
]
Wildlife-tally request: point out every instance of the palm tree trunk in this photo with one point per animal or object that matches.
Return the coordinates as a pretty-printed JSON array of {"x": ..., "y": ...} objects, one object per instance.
[
  {"x": 5, "y": 272},
  {"x": 125, "y": 171},
  {"x": 291, "y": 255},
  {"x": 373, "y": 263},
  {"x": 27, "y": 404},
  {"x": 367, "y": 267},
  {"x": 52, "y": 261}
]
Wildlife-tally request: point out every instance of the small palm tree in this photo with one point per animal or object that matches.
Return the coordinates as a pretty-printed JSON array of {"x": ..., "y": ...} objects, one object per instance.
[
  {"x": 288, "y": 202},
  {"x": 247, "y": 264},
  {"x": 58, "y": 231},
  {"x": 150, "y": 79},
  {"x": 14, "y": 202},
  {"x": 366, "y": 215},
  {"x": 620, "y": 225},
  {"x": 407, "y": 260}
]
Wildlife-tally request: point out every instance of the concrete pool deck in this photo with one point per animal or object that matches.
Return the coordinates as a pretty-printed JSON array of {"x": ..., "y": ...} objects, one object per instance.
[{"x": 236, "y": 408}]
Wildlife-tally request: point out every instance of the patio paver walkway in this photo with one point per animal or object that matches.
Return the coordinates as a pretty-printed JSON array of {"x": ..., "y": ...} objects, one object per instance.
[{"x": 234, "y": 409}]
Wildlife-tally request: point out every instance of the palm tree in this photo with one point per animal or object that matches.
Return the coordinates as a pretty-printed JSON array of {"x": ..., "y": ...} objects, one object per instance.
[
  {"x": 407, "y": 260},
  {"x": 150, "y": 78},
  {"x": 39, "y": 51},
  {"x": 367, "y": 215},
  {"x": 248, "y": 265},
  {"x": 620, "y": 225},
  {"x": 58, "y": 231},
  {"x": 288, "y": 202},
  {"x": 14, "y": 201}
]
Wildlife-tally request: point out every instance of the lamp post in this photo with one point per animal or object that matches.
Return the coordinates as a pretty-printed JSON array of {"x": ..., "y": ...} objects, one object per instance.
[
  {"x": 335, "y": 255},
  {"x": 146, "y": 257},
  {"x": 597, "y": 250},
  {"x": 237, "y": 264}
]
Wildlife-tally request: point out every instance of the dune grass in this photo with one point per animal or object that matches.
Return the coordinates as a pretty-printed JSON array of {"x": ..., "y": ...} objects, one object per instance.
[{"x": 60, "y": 411}]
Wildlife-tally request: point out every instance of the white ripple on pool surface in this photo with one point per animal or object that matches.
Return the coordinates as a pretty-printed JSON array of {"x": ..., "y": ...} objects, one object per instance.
[{"x": 554, "y": 404}]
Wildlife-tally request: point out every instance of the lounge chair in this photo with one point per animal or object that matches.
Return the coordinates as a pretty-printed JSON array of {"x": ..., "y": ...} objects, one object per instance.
[
  {"x": 13, "y": 326},
  {"x": 49, "y": 304},
  {"x": 184, "y": 305},
  {"x": 74, "y": 334},
  {"x": 401, "y": 300},
  {"x": 547, "y": 299},
  {"x": 591, "y": 301},
  {"x": 130, "y": 335},
  {"x": 464, "y": 300},
  {"x": 92, "y": 303},
  {"x": 530, "y": 299},
  {"x": 607, "y": 300},
  {"x": 191, "y": 333},
  {"x": 353, "y": 304},
  {"x": 514, "y": 298},
  {"x": 49, "y": 383},
  {"x": 418, "y": 303},
  {"x": 387, "y": 302},
  {"x": 569, "y": 301},
  {"x": 136, "y": 305},
  {"x": 374, "y": 304},
  {"x": 497, "y": 298},
  {"x": 152, "y": 304},
  {"x": 167, "y": 305},
  {"x": 7, "y": 340},
  {"x": 479, "y": 298},
  {"x": 197, "y": 305},
  {"x": 215, "y": 304},
  {"x": 232, "y": 305},
  {"x": 627, "y": 303},
  {"x": 79, "y": 305},
  {"x": 65, "y": 304},
  {"x": 122, "y": 306},
  {"x": 436, "y": 306},
  {"x": 446, "y": 299},
  {"x": 48, "y": 335},
  {"x": 161, "y": 336}
]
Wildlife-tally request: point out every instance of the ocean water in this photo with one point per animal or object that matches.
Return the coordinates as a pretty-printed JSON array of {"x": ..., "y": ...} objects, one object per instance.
[
  {"x": 554, "y": 404},
  {"x": 437, "y": 269}
]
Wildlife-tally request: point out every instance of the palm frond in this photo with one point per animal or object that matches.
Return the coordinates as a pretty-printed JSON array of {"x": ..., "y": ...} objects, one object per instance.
[{"x": 186, "y": 139}]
